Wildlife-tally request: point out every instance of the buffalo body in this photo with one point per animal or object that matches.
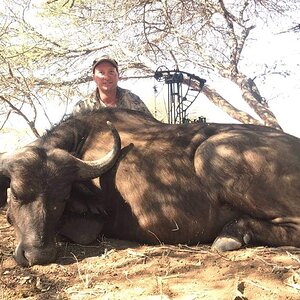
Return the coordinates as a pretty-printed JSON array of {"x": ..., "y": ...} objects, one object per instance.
[{"x": 192, "y": 183}]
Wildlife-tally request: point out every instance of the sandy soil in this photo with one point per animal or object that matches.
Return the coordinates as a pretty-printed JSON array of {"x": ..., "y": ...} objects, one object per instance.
[{"x": 112, "y": 269}]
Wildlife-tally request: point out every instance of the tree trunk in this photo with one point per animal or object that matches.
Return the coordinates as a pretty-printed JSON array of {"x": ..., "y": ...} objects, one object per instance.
[{"x": 252, "y": 96}]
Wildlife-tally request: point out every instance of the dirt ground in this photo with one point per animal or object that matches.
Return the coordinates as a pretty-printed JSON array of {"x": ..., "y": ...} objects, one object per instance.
[{"x": 113, "y": 269}]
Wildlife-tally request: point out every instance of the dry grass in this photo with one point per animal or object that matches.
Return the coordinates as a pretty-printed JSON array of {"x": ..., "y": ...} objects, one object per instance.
[{"x": 113, "y": 269}]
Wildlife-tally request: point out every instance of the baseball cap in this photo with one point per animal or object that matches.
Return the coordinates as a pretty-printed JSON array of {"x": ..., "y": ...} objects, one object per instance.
[{"x": 103, "y": 58}]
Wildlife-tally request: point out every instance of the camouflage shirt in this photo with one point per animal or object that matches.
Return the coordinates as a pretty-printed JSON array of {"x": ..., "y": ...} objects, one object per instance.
[{"x": 125, "y": 99}]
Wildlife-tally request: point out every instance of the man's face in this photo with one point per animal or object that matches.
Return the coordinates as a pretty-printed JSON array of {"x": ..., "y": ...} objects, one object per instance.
[{"x": 106, "y": 76}]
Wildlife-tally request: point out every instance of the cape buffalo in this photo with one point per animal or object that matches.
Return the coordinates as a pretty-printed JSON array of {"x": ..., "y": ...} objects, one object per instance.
[{"x": 192, "y": 183}]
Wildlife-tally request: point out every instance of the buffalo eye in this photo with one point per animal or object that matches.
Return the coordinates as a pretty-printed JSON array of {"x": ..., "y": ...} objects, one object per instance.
[
  {"x": 8, "y": 218},
  {"x": 67, "y": 198}
]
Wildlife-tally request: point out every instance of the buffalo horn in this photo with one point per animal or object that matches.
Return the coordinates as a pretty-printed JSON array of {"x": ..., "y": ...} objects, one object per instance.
[{"x": 93, "y": 169}]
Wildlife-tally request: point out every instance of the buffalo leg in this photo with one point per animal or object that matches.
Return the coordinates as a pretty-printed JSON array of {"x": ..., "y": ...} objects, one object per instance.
[
  {"x": 81, "y": 229},
  {"x": 276, "y": 232}
]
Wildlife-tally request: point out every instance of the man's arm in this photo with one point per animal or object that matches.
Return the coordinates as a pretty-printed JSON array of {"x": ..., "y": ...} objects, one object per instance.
[
  {"x": 134, "y": 102},
  {"x": 87, "y": 104}
]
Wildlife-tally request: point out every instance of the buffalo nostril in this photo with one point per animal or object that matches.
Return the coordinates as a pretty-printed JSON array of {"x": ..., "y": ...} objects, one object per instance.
[
  {"x": 35, "y": 255},
  {"x": 20, "y": 257}
]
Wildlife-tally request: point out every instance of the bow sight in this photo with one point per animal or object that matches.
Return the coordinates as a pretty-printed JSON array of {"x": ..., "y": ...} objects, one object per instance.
[{"x": 177, "y": 103}]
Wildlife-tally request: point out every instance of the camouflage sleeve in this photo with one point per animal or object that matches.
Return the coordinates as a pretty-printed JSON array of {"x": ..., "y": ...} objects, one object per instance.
[
  {"x": 134, "y": 102},
  {"x": 87, "y": 104},
  {"x": 79, "y": 107}
]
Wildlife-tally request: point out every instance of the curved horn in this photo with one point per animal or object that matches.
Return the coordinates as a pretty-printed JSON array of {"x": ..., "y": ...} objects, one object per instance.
[{"x": 93, "y": 169}]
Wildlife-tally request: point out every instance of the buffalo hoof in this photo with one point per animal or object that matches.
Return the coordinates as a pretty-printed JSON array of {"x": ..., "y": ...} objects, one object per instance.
[{"x": 225, "y": 243}]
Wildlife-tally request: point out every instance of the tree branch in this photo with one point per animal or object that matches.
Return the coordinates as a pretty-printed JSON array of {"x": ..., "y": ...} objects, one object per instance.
[{"x": 19, "y": 112}]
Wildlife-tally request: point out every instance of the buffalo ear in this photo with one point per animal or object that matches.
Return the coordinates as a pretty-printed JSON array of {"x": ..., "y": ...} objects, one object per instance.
[{"x": 4, "y": 185}]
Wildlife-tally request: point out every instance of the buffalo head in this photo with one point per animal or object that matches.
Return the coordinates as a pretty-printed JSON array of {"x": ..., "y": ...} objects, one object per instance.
[{"x": 37, "y": 183}]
